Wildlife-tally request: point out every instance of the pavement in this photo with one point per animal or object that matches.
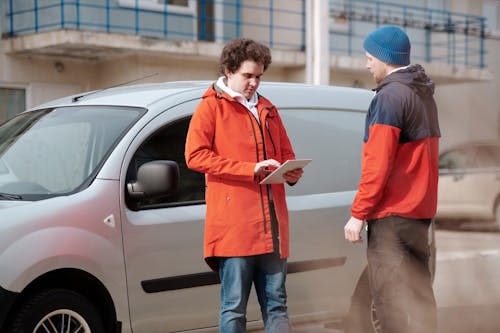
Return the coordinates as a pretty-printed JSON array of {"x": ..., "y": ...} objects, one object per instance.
[{"x": 466, "y": 285}]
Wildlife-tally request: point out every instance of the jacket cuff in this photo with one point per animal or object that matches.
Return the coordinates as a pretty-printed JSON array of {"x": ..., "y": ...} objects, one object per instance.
[{"x": 359, "y": 217}]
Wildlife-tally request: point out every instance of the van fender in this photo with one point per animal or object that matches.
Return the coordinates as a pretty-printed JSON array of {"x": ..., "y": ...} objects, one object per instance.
[{"x": 54, "y": 248}]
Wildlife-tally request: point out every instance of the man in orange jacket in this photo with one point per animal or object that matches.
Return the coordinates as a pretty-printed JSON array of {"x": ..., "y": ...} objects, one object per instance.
[
  {"x": 236, "y": 137},
  {"x": 397, "y": 193}
]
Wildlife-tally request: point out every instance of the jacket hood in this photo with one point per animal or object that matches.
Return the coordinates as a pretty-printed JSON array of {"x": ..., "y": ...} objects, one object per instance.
[{"x": 414, "y": 77}]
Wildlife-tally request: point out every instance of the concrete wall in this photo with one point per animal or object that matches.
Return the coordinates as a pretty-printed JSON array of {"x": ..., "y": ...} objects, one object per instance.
[
  {"x": 43, "y": 79},
  {"x": 467, "y": 111},
  {"x": 471, "y": 111}
]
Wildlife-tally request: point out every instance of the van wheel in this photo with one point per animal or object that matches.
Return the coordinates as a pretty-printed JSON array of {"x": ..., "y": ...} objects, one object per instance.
[
  {"x": 57, "y": 311},
  {"x": 362, "y": 317}
]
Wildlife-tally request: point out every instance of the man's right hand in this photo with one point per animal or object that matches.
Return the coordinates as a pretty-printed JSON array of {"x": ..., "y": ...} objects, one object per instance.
[
  {"x": 352, "y": 230},
  {"x": 265, "y": 167}
]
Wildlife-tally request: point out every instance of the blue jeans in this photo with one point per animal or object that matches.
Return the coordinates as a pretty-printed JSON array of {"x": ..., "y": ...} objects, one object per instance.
[{"x": 268, "y": 273}]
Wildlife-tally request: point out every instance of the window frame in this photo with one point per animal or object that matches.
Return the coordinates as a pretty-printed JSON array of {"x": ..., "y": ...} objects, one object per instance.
[
  {"x": 27, "y": 97},
  {"x": 154, "y": 5},
  {"x": 133, "y": 167}
]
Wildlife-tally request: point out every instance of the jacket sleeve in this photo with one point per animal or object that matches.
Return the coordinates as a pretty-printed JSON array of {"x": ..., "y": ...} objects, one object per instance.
[
  {"x": 384, "y": 122},
  {"x": 199, "y": 142}
]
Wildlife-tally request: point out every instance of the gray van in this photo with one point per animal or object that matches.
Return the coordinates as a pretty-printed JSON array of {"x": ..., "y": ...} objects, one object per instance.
[{"x": 101, "y": 221}]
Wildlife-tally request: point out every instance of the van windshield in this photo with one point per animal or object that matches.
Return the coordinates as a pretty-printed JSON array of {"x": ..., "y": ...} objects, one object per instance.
[{"x": 58, "y": 151}]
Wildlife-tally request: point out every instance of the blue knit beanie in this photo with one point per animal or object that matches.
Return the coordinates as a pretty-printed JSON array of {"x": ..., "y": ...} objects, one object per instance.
[{"x": 390, "y": 44}]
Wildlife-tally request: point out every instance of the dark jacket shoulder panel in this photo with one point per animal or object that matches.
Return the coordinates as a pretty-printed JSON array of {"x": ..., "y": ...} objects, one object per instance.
[{"x": 405, "y": 100}]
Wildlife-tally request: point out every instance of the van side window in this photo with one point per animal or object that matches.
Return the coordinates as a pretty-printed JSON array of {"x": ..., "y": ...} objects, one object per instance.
[{"x": 168, "y": 144}]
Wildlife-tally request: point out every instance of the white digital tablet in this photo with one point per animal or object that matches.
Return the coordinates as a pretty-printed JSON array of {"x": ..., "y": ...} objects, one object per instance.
[{"x": 277, "y": 175}]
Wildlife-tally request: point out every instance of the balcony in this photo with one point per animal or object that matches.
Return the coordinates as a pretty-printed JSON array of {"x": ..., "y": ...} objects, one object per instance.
[{"x": 96, "y": 29}]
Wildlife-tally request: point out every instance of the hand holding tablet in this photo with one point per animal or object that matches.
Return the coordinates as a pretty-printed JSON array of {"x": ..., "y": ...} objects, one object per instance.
[{"x": 276, "y": 176}]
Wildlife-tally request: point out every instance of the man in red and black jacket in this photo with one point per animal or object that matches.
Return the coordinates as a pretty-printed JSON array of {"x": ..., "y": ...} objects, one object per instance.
[{"x": 397, "y": 194}]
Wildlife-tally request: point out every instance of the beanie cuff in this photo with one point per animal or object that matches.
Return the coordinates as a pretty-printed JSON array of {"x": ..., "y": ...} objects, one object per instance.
[{"x": 384, "y": 55}]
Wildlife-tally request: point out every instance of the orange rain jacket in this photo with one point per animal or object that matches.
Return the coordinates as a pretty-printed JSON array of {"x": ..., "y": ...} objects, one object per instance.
[{"x": 225, "y": 142}]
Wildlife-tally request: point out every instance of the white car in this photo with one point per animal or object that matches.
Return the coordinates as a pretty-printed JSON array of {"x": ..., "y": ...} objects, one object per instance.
[
  {"x": 103, "y": 227},
  {"x": 469, "y": 184}
]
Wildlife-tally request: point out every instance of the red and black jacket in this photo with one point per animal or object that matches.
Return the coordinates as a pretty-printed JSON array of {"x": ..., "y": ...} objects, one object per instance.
[{"x": 399, "y": 173}]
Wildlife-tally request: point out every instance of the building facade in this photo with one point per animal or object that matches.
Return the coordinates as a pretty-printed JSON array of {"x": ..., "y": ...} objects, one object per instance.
[{"x": 51, "y": 48}]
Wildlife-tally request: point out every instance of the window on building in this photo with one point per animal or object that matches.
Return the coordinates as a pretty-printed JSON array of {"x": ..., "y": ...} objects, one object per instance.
[
  {"x": 175, "y": 6},
  {"x": 12, "y": 102},
  {"x": 206, "y": 27},
  {"x": 339, "y": 12}
]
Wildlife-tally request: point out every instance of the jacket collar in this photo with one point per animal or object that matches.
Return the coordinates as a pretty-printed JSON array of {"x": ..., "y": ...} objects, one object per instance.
[{"x": 262, "y": 104}]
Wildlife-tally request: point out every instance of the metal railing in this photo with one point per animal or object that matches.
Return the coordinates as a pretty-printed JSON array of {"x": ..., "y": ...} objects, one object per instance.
[
  {"x": 277, "y": 23},
  {"x": 436, "y": 35}
]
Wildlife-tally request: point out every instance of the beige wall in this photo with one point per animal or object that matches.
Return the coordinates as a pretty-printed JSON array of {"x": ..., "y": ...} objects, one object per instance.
[
  {"x": 471, "y": 111},
  {"x": 42, "y": 79},
  {"x": 50, "y": 78},
  {"x": 284, "y": 15},
  {"x": 467, "y": 111}
]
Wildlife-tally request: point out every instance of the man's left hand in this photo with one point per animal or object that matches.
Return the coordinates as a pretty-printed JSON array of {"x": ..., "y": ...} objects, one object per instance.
[{"x": 293, "y": 176}]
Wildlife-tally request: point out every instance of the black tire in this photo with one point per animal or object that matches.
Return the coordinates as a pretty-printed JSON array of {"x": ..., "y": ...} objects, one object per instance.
[
  {"x": 56, "y": 307},
  {"x": 361, "y": 317}
]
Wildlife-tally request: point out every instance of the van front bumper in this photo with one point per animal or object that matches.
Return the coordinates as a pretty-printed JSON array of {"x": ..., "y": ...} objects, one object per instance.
[{"x": 7, "y": 298}]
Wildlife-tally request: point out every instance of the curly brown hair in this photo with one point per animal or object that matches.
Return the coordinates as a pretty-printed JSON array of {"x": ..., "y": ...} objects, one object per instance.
[{"x": 238, "y": 50}]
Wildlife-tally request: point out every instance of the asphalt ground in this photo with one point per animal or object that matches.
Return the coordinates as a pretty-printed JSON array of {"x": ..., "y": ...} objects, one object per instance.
[{"x": 466, "y": 285}]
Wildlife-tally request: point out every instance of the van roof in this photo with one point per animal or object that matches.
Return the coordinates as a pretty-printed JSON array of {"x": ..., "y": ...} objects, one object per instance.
[{"x": 280, "y": 93}]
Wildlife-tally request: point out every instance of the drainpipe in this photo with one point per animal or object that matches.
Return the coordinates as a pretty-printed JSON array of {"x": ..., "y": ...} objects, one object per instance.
[{"x": 317, "y": 42}]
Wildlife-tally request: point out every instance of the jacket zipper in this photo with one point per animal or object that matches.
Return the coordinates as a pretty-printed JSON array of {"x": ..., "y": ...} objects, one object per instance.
[
  {"x": 274, "y": 222},
  {"x": 250, "y": 116}
]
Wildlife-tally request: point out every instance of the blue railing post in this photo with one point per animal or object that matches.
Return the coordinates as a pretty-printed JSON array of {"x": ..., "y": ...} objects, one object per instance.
[
  {"x": 11, "y": 14},
  {"x": 466, "y": 43},
  {"x": 451, "y": 41},
  {"x": 481, "y": 43},
  {"x": 77, "y": 2},
  {"x": 136, "y": 17},
  {"x": 271, "y": 17},
  {"x": 165, "y": 19},
  {"x": 428, "y": 37},
  {"x": 202, "y": 18},
  {"x": 108, "y": 16},
  {"x": 238, "y": 18},
  {"x": 62, "y": 14},
  {"x": 35, "y": 9}
]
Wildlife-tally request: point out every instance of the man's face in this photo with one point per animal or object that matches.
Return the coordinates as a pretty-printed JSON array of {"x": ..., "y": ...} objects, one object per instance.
[
  {"x": 246, "y": 79},
  {"x": 377, "y": 68}
]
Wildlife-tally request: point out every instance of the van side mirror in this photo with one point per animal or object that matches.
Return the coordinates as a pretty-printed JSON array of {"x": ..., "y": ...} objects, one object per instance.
[{"x": 154, "y": 179}]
